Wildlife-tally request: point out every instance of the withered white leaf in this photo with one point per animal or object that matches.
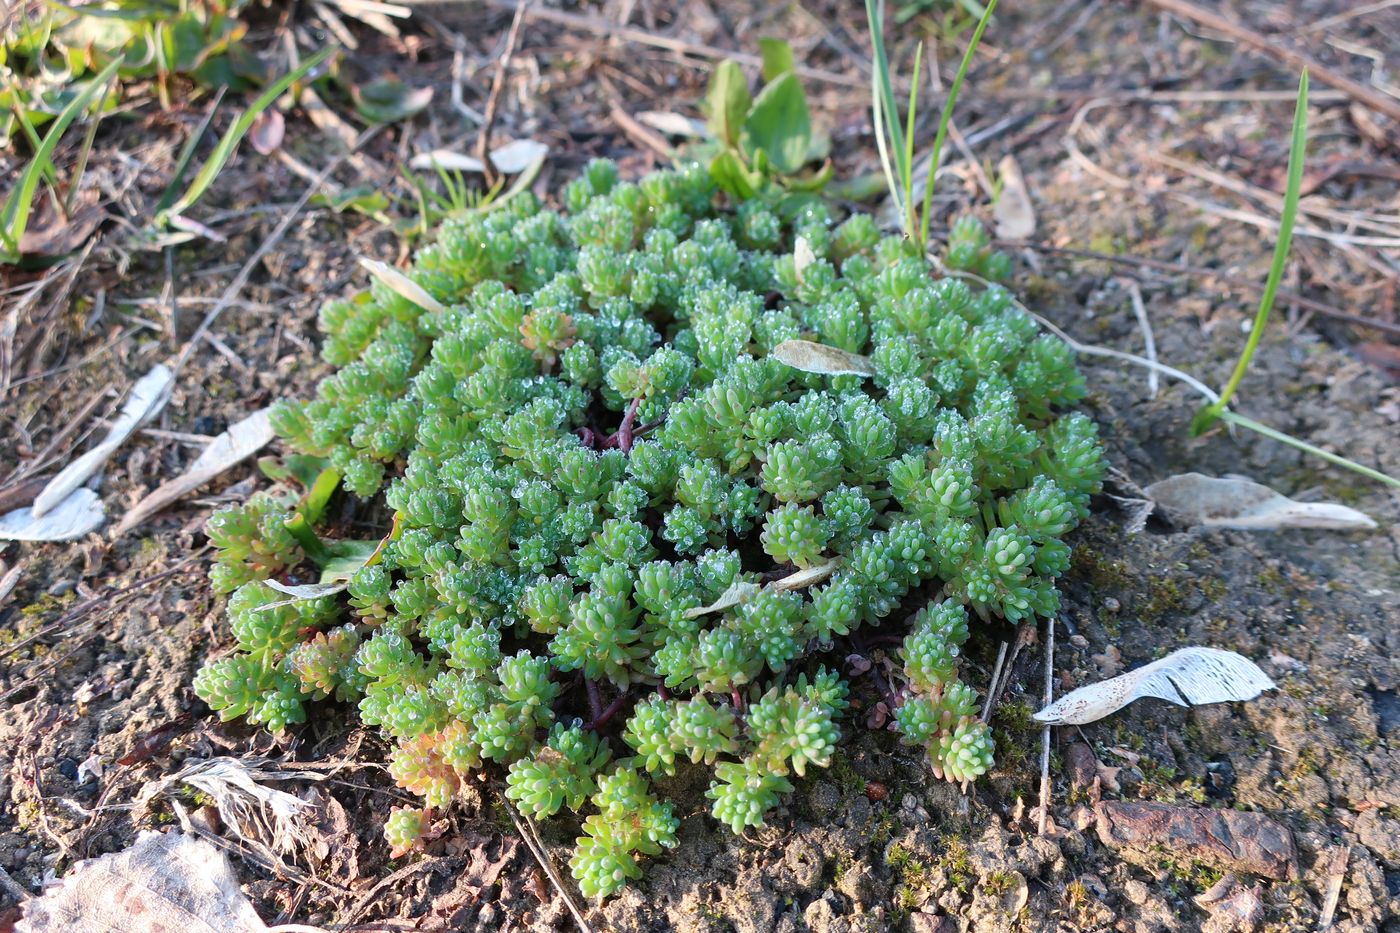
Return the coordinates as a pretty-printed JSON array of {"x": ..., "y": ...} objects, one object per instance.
[
  {"x": 1014, "y": 214},
  {"x": 447, "y": 159},
  {"x": 1239, "y": 502},
  {"x": 304, "y": 591},
  {"x": 804, "y": 578},
  {"x": 148, "y": 397},
  {"x": 737, "y": 593},
  {"x": 166, "y": 881},
  {"x": 242, "y": 440},
  {"x": 74, "y": 517},
  {"x": 672, "y": 124},
  {"x": 802, "y": 256},
  {"x": 818, "y": 358},
  {"x": 514, "y": 158},
  {"x": 1188, "y": 677},
  {"x": 402, "y": 284}
]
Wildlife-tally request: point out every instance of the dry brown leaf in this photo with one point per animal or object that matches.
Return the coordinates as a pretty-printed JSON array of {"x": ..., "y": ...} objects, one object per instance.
[
  {"x": 818, "y": 358},
  {"x": 165, "y": 883},
  {"x": 1239, "y": 502},
  {"x": 52, "y": 235},
  {"x": 1188, "y": 677},
  {"x": 1014, "y": 214},
  {"x": 239, "y": 442}
]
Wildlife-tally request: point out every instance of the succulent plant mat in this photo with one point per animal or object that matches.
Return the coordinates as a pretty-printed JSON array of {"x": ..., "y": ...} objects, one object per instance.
[{"x": 1138, "y": 209}]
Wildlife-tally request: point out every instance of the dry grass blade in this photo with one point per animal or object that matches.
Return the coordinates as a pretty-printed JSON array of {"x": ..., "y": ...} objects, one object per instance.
[
  {"x": 737, "y": 593},
  {"x": 536, "y": 847},
  {"x": 147, "y": 398},
  {"x": 239, "y": 442},
  {"x": 77, "y": 515},
  {"x": 402, "y": 285}
]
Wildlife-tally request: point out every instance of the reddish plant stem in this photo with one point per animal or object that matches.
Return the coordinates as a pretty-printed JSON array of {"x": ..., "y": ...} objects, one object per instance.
[
  {"x": 595, "y": 700},
  {"x": 622, "y": 437},
  {"x": 737, "y": 699},
  {"x": 602, "y": 719}
]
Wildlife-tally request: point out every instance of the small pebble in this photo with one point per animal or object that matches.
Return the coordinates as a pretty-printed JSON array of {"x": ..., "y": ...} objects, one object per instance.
[
  {"x": 1111, "y": 605},
  {"x": 876, "y": 791},
  {"x": 68, "y": 768}
]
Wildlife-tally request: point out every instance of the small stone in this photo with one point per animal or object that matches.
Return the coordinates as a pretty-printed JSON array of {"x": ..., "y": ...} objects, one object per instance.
[
  {"x": 1136, "y": 892},
  {"x": 1111, "y": 605},
  {"x": 876, "y": 791},
  {"x": 1079, "y": 641}
]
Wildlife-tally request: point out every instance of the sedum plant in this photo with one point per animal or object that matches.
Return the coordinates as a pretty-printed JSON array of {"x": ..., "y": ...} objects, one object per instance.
[{"x": 626, "y": 531}]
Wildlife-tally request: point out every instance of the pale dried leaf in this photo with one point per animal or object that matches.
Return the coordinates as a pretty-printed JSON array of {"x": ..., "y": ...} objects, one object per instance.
[
  {"x": 304, "y": 591},
  {"x": 148, "y": 397},
  {"x": 818, "y": 358},
  {"x": 1239, "y": 502},
  {"x": 448, "y": 160},
  {"x": 238, "y": 443},
  {"x": 1188, "y": 677},
  {"x": 802, "y": 257},
  {"x": 514, "y": 158},
  {"x": 672, "y": 124},
  {"x": 805, "y": 578},
  {"x": 165, "y": 882},
  {"x": 401, "y": 284},
  {"x": 75, "y": 516},
  {"x": 737, "y": 593},
  {"x": 1013, "y": 212}
]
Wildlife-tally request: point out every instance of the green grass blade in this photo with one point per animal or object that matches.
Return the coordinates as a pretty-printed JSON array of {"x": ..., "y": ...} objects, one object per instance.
[
  {"x": 936, "y": 156},
  {"x": 14, "y": 217},
  {"x": 1297, "y": 153},
  {"x": 1231, "y": 417},
  {"x": 908, "y": 179},
  {"x": 182, "y": 164},
  {"x": 224, "y": 151},
  {"x": 883, "y": 114}
]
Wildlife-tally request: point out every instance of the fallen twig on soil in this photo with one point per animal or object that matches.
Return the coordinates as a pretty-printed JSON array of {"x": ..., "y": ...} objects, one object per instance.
[
  {"x": 1298, "y": 61},
  {"x": 498, "y": 83},
  {"x": 1149, "y": 341},
  {"x": 1045, "y": 730}
]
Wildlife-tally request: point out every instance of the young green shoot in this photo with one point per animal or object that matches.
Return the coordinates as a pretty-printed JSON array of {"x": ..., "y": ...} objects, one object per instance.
[
  {"x": 1219, "y": 410},
  {"x": 895, "y": 143},
  {"x": 1296, "y": 154}
]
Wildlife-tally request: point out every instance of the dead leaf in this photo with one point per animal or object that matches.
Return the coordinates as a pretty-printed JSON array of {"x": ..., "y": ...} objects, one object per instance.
[
  {"x": 148, "y": 397},
  {"x": 267, "y": 132},
  {"x": 810, "y": 576},
  {"x": 53, "y": 235},
  {"x": 238, "y": 443},
  {"x": 1385, "y": 357},
  {"x": 401, "y": 284},
  {"x": 737, "y": 593},
  {"x": 1232, "y": 840},
  {"x": 514, "y": 158},
  {"x": 818, "y": 358},
  {"x": 304, "y": 591},
  {"x": 1013, "y": 212},
  {"x": 802, "y": 257},
  {"x": 1239, "y": 502},
  {"x": 448, "y": 160},
  {"x": 672, "y": 124},
  {"x": 74, "y": 517},
  {"x": 165, "y": 882},
  {"x": 1233, "y": 908},
  {"x": 1188, "y": 677}
]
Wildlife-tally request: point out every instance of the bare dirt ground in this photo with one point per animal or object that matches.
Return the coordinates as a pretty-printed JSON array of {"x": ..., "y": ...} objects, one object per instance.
[{"x": 1102, "y": 105}]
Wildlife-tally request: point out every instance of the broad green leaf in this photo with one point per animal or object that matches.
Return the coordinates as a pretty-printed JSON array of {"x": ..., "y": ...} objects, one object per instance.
[
  {"x": 779, "y": 124},
  {"x": 389, "y": 100},
  {"x": 727, "y": 102},
  {"x": 777, "y": 58}
]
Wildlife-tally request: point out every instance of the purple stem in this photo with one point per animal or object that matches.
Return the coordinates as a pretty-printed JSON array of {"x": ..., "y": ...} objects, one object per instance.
[
  {"x": 737, "y": 699},
  {"x": 622, "y": 438},
  {"x": 595, "y": 700},
  {"x": 601, "y": 720}
]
